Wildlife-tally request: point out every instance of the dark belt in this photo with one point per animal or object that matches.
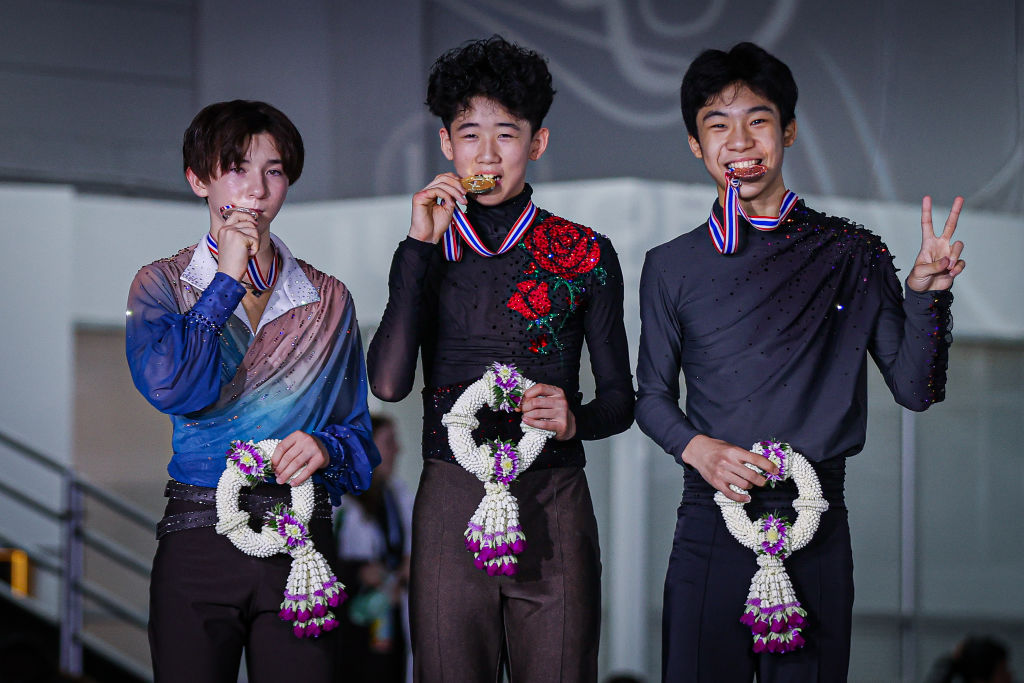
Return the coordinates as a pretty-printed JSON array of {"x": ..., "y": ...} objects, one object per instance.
[{"x": 257, "y": 502}]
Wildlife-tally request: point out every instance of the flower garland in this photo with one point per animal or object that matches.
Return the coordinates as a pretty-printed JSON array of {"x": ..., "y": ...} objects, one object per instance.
[
  {"x": 493, "y": 534},
  {"x": 772, "y": 611},
  {"x": 312, "y": 589}
]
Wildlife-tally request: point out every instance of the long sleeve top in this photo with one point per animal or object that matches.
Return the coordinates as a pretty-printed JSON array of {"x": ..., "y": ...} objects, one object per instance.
[
  {"x": 193, "y": 355},
  {"x": 534, "y": 306},
  {"x": 773, "y": 341}
]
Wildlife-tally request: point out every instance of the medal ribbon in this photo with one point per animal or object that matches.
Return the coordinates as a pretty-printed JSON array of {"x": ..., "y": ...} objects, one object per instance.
[
  {"x": 726, "y": 238},
  {"x": 259, "y": 282},
  {"x": 461, "y": 227}
]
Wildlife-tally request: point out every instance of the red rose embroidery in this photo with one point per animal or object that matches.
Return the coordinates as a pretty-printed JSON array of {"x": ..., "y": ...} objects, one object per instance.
[
  {"x": 563, "y": 248},
  {"x": 531, "y": 300}
]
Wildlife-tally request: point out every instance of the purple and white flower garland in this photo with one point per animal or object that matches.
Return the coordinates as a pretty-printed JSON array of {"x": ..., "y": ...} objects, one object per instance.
[
  {"x": 772, "y": 610},
  {"x": 493, "y": 534},
  {"x": 312, "y": 588}
]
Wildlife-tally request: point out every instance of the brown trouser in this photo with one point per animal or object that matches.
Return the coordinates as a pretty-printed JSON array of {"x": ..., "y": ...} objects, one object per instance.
[{"x": 546, "y": 620}]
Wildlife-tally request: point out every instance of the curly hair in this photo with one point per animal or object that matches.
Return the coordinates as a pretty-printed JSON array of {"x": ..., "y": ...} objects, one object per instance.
[
  {"x": 494, "y": 68},
  {"x": 219, "y": 137},
  {"x": 714, "y": 70}
]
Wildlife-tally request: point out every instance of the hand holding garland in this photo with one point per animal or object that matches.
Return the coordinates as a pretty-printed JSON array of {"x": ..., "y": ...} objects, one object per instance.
[
  {"x": 772, "y": 610},
  {"x": 298, "y": 457},
  {"x": 312, "y": 589},
  {"x": 493, "y": 534},
  {"x": 724, "y": 466},
  {"x": 545, "y": 406}
]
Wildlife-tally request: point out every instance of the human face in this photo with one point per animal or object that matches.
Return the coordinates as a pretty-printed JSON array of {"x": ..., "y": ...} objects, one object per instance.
[
  {"x": 739, "y": 127},
  {"x": 487, "y": 139},
  {"x": 258, "y": 183}
]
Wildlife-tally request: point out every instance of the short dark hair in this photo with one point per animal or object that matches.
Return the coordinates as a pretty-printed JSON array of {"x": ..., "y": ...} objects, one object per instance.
[
  {"x": 219, "y": 137},
  {"x": 714, "y": 70},
  {"x": 494, "y": 68}
]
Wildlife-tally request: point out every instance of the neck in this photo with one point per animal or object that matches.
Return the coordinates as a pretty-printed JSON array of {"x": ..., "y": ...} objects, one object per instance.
[{"x": 765, "y": 204}]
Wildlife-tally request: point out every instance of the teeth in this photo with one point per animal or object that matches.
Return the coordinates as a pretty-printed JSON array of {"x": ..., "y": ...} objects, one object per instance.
[{"x": 744, "y": 164}]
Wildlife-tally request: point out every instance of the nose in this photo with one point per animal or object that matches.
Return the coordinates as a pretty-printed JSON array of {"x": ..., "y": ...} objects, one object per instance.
[
  {"x": 256, "y": 185},
  {"x": 487, "y": 152},
  {"x": 739, "y": 138}
]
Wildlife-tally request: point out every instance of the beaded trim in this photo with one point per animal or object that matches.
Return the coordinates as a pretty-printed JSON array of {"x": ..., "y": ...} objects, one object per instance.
[{"x": 200, "y": 320}]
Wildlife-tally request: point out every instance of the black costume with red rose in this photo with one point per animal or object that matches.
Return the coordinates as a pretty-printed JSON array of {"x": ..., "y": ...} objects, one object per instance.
[{"x": 533, "y": 306}]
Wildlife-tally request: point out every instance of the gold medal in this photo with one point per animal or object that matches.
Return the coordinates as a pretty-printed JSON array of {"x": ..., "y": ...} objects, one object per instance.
[{"x": 478, "y": 184}]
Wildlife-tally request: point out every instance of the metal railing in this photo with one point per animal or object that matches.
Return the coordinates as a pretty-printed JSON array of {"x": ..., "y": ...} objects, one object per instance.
[{"x": 69, "y": 566}]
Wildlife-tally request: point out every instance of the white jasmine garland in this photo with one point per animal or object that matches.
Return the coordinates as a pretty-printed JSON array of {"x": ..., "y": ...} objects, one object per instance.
[
  {"x": 312, "y": 587},
  {"x": 493, "y": 534},
  {"x": 772, "y": 610}
]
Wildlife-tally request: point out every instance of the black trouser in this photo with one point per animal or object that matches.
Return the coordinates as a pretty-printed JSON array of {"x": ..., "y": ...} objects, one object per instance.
[
  {"x": 706, "y": 589},
  {"x": 547, "y": 616},
  {"x": 209, "y": 600}
]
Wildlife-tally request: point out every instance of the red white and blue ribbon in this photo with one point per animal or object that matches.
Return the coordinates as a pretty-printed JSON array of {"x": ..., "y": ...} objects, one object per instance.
[
  {"x": 462, "y": 228},
  {"x": 726, "y": 238},
  {"x": 256, "y": 277}
]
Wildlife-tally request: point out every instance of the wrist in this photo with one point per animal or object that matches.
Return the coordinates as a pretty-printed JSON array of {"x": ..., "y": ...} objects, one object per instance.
[
  {"x": 422, "y": 235},
  {"x": 689, "y": 452}
]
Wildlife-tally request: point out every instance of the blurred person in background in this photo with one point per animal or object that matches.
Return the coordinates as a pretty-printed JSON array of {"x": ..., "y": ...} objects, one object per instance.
[{"x": 374, "y": 534}]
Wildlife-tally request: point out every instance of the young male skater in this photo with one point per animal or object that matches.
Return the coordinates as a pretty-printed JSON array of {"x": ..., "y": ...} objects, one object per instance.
[
  {"x": 772, "y": 328},
  {"x": 537, "y": 288},
  {"x": 234, "y": 338}
]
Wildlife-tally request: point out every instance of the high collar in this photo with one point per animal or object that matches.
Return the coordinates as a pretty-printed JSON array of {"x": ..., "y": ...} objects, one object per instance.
[{"x": 492, "y": 223}]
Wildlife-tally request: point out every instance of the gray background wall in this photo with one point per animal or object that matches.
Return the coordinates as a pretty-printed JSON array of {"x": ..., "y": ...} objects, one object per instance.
[{"x": 898, "y": 99}]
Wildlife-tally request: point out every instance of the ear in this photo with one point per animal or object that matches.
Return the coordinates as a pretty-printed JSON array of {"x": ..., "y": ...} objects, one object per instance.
[
  {"x": 198, "y": 186},
  {"x": 446, "y": 144},
  {"x": 695, "y": 146},
  {"x": 789, "y": 133},
  {"x": 539, "y": 143}
]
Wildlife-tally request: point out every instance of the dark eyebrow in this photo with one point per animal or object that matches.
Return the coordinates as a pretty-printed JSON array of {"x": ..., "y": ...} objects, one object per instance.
[
  {"x": 473, "y": 124},
  {"x": 752, "y": 110}
]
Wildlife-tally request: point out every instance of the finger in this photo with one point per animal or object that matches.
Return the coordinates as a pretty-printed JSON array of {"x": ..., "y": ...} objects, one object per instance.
[
  {"x": 733, "y": 495},
  {"x": 958, "y": 268},
  {"x": 535, "y": 390},
  {"x": 762, "y": 463},
  {"x": 955, "y": 251},
  {"x": 302, "y": 473},
  {"x": 927, "y": 231},
  {"x": 544, "y": 415},
  {"x": 536, "y": 403},
  {"x": 954, "y": 216},
  {"x": 290, "y": 465},
  {"x": 282, "y": 456},
  {"x": 747, "y": 475}
]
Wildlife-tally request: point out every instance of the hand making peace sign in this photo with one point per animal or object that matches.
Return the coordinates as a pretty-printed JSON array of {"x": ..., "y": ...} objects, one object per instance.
[{"x": 938, "y": 262}]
